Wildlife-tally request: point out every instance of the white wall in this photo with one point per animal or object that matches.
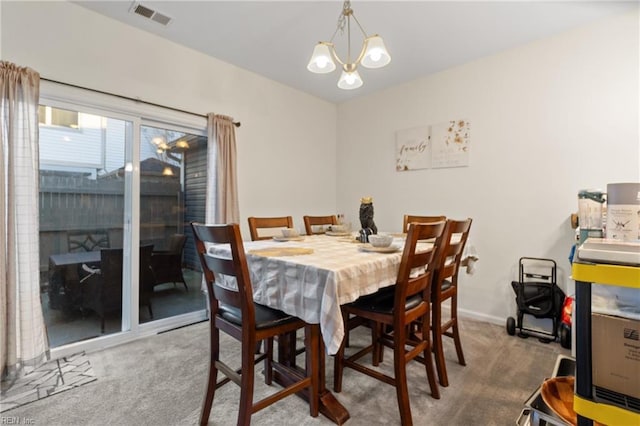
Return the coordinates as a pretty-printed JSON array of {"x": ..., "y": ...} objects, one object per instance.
[
  {"x": 280, "y": 126},
  {"x": 547, "y": 120}
]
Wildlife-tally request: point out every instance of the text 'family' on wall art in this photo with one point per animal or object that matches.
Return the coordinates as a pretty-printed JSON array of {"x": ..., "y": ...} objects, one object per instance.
[{"x": 439, "y": 145}]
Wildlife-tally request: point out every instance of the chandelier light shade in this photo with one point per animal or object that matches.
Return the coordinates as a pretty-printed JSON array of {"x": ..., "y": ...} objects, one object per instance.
[
  {"x": 321, "y": 61},
  {"x": 182, "y": 145},
  {"x": 350, "y": 80},
  {"x": 373, "y": 53},
  {"x": 376, "y": 55}
]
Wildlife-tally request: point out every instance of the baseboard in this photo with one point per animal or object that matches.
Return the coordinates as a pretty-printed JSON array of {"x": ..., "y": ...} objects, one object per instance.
[
  {"x": 143, "y": 330},
  {"x": 479, "y": 316}
]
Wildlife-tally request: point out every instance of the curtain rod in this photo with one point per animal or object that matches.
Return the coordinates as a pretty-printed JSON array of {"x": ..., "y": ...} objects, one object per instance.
[{"x": 235, "y": 123}]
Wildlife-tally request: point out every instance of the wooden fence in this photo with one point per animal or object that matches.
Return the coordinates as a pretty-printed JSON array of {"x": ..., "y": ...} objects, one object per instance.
[{"x": 72, "y": 203}]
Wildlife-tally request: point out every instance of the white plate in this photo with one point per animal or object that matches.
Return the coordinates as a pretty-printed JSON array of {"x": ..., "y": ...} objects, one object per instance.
[
  {"x": 337, "y": 234},
  {"x": 285, "y": 239},
  {"x": 372, "y": 249}
]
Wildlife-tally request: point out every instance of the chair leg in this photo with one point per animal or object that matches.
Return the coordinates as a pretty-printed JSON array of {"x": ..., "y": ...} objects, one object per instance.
[
  {"x": 456, "y": 331},
  {"x": 268, "y": 361},
  {"x": 377, "y": 354},
  {"x": 179, "y": 277},
  {"x": 437, "y": 343},
  {"x": 213, "y": 375},
  {"x": 400, "y": 369},
  {"x": 246, "y": 385},
  {"x": 456, "y": 340},
  {"x": 183, "y": 281},
  {"x": 431, "y": 374}
]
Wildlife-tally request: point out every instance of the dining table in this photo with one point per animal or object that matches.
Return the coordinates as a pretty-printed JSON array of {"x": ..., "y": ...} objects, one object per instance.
[
  {"x": 64, "y": 278},
  {"x": 310, "y": 277}
]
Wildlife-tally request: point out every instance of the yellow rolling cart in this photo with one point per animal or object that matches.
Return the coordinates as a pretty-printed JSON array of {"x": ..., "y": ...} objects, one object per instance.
[{"x": 584, "y": 275}]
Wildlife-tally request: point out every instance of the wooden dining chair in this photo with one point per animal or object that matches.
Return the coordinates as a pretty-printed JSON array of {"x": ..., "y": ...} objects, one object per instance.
[
  {"x": 257, "y": 228},
  {"x": 420, "y": 219},
  {"x": 318, "y": 221},
  {"x": 353, "y": 323},
  {"x": 398, "y": 307},
  {"x": 257, "y": 224},
  {"x": 445, "y": 287},
  {"x": 234, "y": 312}
]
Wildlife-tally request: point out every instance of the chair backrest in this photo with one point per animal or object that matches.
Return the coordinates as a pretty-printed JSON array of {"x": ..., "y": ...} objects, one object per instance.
[
  {"x": 420, "y": 219},
  {"x": 176, "y": 243},
  {"x": 111, "y": 274},
  {"x": 89, "y": 240},
  {"x": 147, "y": 278},
  {"x": 455, "y": 239},
  {"x": 311, "y": 221},
  {"x": 419, "y": 261},
  {"x": 256, "y": 224},
  {"x": 234, "y": 267},
  {"x": 111, "y": 278}
]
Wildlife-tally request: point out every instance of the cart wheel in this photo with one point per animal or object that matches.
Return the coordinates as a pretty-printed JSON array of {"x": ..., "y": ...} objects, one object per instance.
[
  {"x": 511, "y": 326},
  {"x": 565, "y": 336}
]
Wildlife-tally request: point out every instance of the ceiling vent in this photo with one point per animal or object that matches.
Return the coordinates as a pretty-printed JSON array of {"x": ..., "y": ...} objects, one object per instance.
[{"x": 149, "y": 13}]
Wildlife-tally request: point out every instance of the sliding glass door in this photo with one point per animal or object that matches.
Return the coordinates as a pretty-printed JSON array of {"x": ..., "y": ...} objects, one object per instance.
[
  {"x": 83, "y": 176},
  {"x": 165, "y": 185},
  {"x": 114, "y": 235}
]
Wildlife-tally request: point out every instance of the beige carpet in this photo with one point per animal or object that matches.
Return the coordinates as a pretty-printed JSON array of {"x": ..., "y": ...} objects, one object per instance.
[
  {"x": 51, "y": 378},
  {"x": 160, "y": 381}
]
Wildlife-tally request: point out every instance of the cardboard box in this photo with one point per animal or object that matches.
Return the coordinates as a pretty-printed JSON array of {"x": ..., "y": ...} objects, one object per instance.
[{"x": 615, "y": 348}]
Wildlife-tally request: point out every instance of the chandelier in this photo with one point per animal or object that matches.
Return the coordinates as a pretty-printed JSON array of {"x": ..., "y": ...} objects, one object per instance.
[{"x": 372, "y": 55}]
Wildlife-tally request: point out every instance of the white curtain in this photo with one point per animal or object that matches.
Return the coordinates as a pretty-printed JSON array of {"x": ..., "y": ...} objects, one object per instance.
[
  {"x": 222, "y": 187},
  {"x": 23, "y": 339}
]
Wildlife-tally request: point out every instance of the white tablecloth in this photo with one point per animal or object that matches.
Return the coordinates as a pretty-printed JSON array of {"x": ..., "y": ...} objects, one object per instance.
[{"x": 313, "y": 286}]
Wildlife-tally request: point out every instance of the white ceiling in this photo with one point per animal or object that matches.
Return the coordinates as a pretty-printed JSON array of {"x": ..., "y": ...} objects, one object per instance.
[{"x": 275, "y": 38}]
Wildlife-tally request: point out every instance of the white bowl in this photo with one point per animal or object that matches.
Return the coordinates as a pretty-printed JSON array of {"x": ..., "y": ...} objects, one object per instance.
[
  {"x": 290, "y": 233},
  {"x": 380, "y": 240}
]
